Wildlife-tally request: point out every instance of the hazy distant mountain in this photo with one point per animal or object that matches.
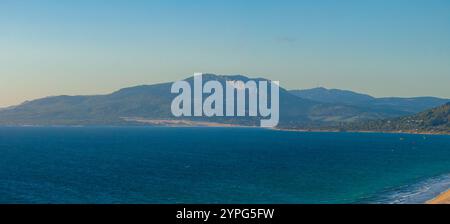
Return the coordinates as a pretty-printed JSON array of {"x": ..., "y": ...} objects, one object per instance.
[
  {"x": 153, "y": 102},
  {"x": 436, "y": 120},
  {"x": 396, "y": 105},
  {"x": 332, "y": 96},
  {"x": 146, "y": 101},
  {"x": 410, "y": 105}
]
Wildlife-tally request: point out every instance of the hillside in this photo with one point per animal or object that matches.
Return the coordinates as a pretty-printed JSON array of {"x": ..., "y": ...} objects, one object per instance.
[{"x": 436, "y": 120}]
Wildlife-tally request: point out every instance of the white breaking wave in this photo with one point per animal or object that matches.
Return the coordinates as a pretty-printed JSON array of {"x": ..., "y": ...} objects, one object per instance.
[{"x": 418, "y": 193}]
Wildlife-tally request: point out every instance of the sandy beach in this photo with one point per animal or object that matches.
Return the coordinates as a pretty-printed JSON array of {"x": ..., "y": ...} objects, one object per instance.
[
  {"x": 443, "y": 198},
  {"x": 181, "y": 123}
]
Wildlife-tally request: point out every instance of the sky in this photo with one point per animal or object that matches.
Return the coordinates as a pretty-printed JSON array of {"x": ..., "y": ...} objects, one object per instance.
[{"x": 379, "y": 47}]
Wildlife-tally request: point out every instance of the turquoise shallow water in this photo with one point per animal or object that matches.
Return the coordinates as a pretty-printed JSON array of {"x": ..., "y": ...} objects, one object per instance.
[{"x": 218, "y": 165}]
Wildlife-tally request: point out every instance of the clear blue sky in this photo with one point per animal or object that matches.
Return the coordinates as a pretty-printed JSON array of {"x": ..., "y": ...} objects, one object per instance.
[{"x": 384, "y": 48}]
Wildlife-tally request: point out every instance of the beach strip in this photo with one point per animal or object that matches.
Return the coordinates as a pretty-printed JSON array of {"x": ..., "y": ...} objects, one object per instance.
[{"x": 443, "y": 198}]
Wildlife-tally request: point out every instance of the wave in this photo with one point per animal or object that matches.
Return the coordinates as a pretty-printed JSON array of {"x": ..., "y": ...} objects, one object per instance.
[{"x": 418, "y": 193}]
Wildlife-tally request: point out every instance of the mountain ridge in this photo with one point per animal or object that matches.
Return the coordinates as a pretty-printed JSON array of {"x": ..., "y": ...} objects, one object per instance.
[
  {"x": 153, "y": 102},
  {"x": 403, "y": 105}
]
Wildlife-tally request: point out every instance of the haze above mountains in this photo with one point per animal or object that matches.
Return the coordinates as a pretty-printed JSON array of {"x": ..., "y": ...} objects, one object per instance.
[{"x": 310, "y": 108}]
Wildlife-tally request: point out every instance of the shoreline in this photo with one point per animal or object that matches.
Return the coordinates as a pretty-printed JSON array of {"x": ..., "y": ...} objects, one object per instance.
[
  {"x": 206, "y": 124},
  {"x": 443, "y": 198},
  {"x": 362, "y": 131}
]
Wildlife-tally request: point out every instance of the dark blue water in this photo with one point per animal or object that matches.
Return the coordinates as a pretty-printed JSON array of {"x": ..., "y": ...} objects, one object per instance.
[{"x": 218, "y": 165}]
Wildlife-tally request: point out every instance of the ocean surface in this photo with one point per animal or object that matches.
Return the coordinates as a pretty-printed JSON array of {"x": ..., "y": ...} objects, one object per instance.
[{"x": 218, "y": 165}]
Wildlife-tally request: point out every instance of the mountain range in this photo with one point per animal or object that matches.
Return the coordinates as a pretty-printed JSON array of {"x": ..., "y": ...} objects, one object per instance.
[
  {"x": 311, "y": 108},
  {"x": 398, "y": 105}
]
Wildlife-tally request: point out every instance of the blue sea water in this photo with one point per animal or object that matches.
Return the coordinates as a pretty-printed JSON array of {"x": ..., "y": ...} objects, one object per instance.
[{"x": 218, "y": 165}]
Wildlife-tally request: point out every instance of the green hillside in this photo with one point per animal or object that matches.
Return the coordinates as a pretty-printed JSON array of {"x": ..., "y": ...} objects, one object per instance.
[{"x": 435, "y": 120}]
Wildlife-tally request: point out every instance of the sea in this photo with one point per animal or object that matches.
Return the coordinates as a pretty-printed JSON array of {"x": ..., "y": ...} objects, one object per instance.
[{"x": 167, "y": 165}]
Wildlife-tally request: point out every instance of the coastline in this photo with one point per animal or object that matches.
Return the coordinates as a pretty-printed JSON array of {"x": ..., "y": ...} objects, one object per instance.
[
  {"x": 206, "y": 124},
  {"x": 443, "y": 198},
  {"x": 362, "y": 131},
  {"x": 183, "y": 123}
]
